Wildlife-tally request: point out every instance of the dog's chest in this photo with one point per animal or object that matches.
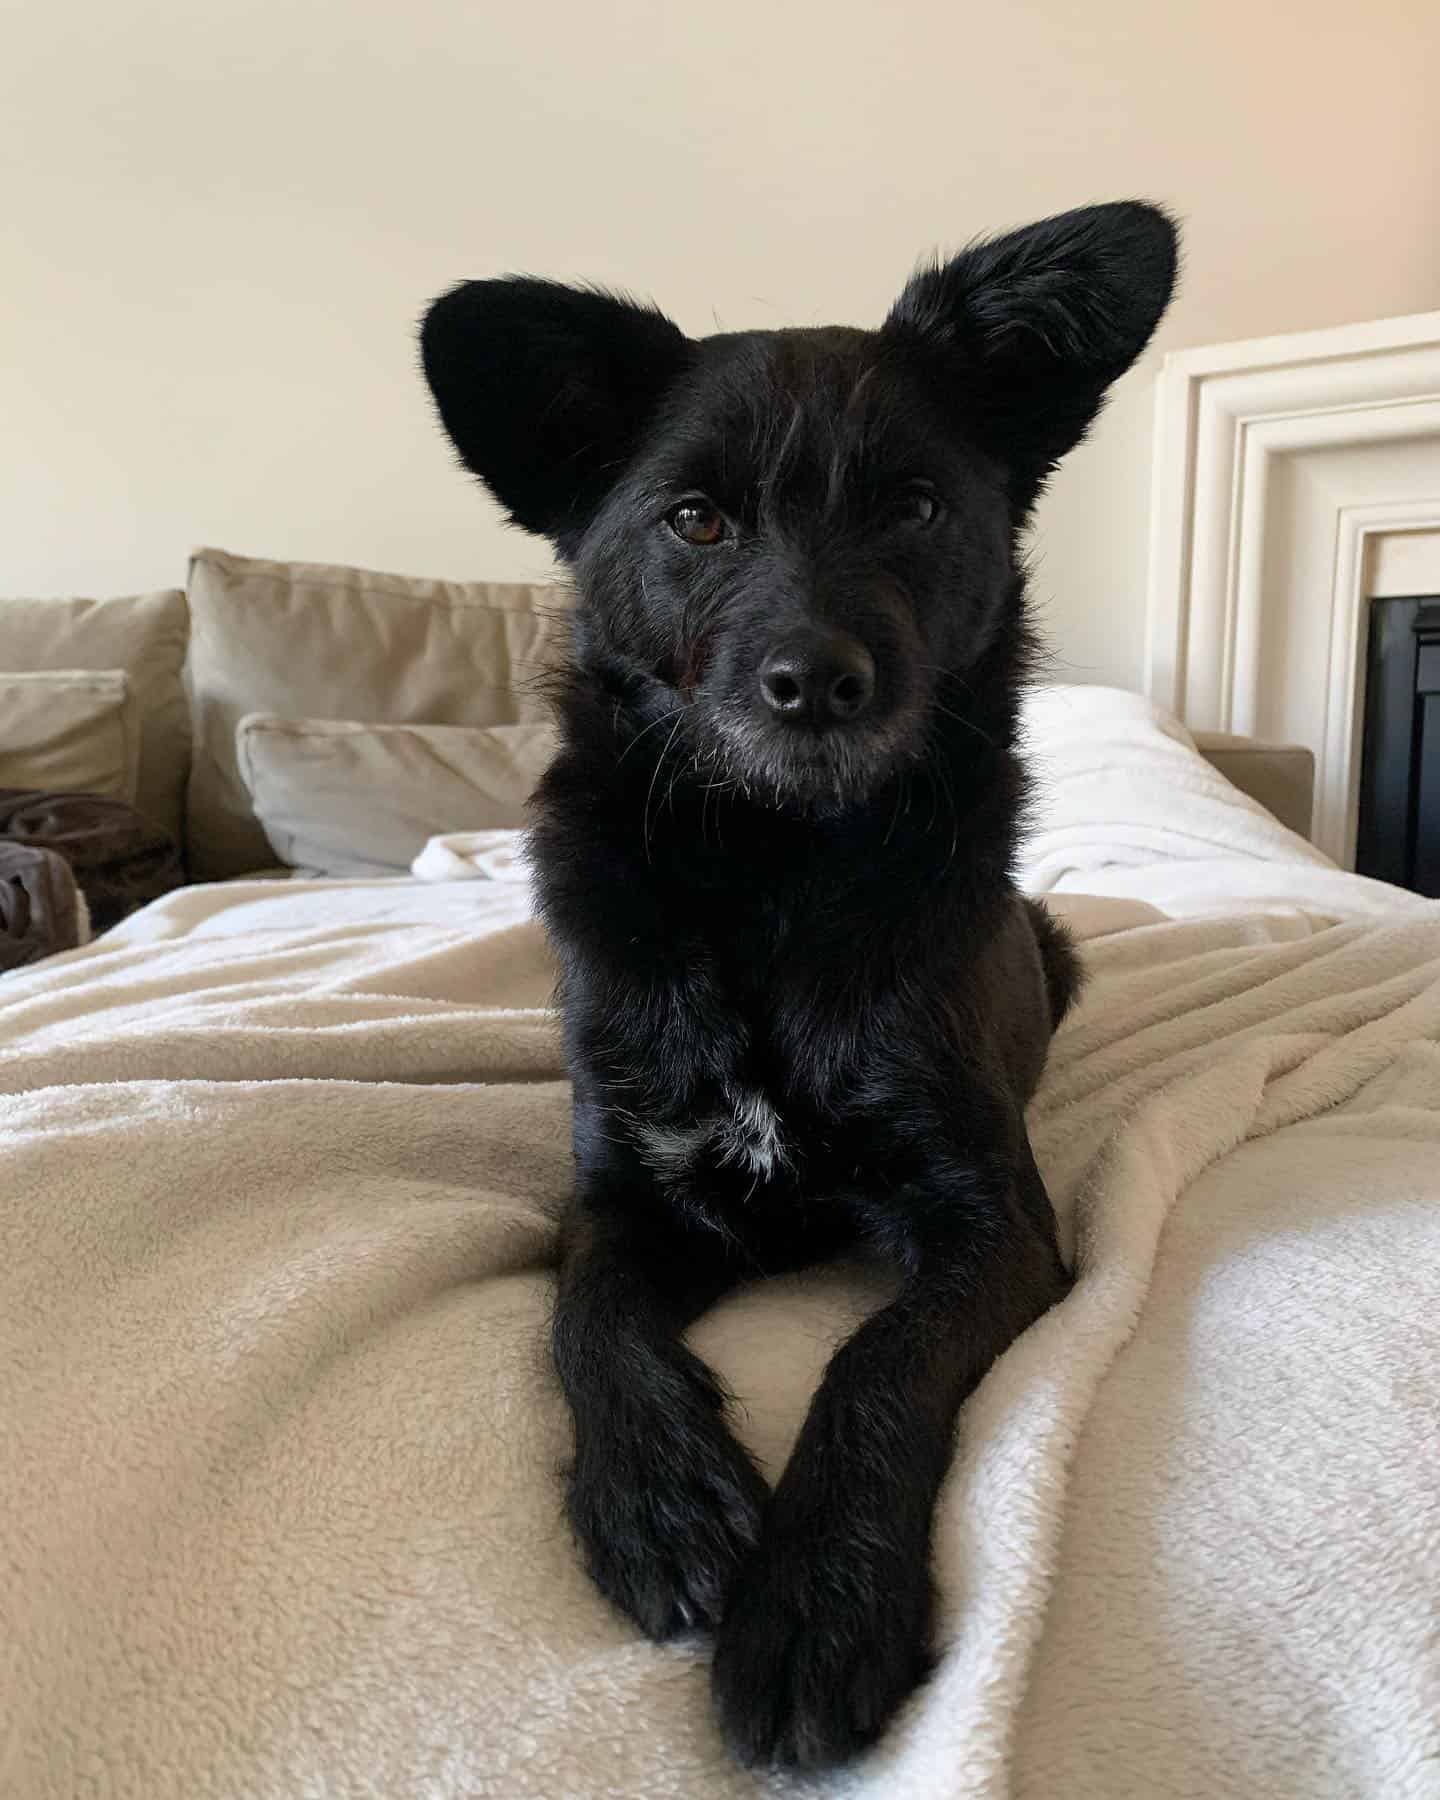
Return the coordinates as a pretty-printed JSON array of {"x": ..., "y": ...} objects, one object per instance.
[
  {"x": 744, "y": 1133},
  {"x": 797, "y": 1039}
]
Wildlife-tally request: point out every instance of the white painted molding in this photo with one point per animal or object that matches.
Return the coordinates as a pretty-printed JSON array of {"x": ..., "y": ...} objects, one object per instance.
[
  {"x": 1278, "y": 465},
  {"x": 1405, "y": 563}
]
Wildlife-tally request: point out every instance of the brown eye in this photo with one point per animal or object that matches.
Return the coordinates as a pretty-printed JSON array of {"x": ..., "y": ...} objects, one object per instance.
[
  {"x": 918, "y": 506},
  {"x": 697, "y": 522}
]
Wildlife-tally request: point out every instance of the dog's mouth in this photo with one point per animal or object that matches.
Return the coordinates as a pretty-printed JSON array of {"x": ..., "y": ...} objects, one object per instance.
[{"x": 820, "y": 772}]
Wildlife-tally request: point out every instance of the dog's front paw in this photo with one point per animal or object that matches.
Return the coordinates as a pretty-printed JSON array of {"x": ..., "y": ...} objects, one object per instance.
[
  {"x": 665, "y": 1523},
  {"x": 818, "y": 1648}
]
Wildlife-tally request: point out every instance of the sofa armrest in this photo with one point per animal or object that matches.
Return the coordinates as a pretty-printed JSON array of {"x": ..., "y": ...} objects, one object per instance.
[{"x": 1280, "y": 776}]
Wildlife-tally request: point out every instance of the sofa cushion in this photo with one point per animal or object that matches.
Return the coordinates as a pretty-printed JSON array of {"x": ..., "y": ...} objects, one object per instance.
[
  {"x": 145, "y": 635},
  {"x": 70, "y": 730},
  {"x": 312, "y": 641},
  {"x": 338, "y": 798}
]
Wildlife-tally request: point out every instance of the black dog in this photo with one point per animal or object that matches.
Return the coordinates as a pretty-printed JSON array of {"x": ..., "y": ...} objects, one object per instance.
[{"x": 805, "y": 1006}]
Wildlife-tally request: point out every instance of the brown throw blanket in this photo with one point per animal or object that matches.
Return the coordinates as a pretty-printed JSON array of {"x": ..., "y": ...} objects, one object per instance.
[{"x": 119, "y": 861}]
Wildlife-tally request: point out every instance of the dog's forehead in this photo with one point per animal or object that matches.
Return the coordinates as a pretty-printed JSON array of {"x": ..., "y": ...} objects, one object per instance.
[
  {"x": 802, "y": 402},
  {"x": 831, "y": 370}
]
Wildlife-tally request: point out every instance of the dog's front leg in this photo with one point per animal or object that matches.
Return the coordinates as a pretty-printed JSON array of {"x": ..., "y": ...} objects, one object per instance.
[
  {"x": 828, "y": 1625},
  {"x": 663, "y": 1500}
]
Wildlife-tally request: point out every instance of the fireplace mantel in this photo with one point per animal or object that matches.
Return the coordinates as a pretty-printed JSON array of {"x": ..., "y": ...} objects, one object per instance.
[{"x": 1281, "y": 465}]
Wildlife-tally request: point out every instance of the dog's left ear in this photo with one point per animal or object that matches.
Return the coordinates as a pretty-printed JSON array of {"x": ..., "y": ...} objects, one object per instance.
[{"x": 1028, "y": 330}]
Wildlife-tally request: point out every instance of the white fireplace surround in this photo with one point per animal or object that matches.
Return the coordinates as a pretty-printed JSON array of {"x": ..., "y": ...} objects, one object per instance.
[{"x": 1283, "y": 468}]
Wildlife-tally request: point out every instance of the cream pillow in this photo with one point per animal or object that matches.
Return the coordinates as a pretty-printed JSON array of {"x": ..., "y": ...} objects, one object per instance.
[
  {"x": 343, "y": 798},
  {"x": 320, "y": 641},
  {"x": 70, "y": 731}
]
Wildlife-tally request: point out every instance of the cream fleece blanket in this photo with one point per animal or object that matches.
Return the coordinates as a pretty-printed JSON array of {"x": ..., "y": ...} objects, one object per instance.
[{"x": 279, "y": 1171}]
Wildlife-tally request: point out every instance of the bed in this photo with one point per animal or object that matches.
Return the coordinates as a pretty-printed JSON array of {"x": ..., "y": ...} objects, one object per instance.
[{"x": 281, "y": 1162}]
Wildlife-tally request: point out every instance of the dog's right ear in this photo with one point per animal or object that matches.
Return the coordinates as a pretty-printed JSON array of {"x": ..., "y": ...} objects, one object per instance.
[
  {"x": 545, "y": 390},
  {"x": 1025, "y": 332}
]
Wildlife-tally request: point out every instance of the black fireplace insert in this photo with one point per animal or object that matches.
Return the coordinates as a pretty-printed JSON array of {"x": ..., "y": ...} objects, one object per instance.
[{"x": 1399, "y": 826}]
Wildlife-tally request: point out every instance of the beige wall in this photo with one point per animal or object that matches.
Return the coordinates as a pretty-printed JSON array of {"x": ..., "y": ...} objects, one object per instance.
[{"x": 221, "y": 220}]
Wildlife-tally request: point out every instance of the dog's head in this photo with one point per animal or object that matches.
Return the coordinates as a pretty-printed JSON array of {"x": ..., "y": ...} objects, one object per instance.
[{"x": 793, "y": 542}]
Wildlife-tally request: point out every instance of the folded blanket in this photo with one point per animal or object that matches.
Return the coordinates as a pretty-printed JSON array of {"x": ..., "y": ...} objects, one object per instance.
[
  {"x": 1125, "y": 805},
  {"x": 41, "y": 909},
  {"x": 120, "y": 860}
]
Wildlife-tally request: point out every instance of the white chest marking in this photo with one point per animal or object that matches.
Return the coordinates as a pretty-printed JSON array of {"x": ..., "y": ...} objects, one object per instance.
[{"x": 747, "y": 1133}]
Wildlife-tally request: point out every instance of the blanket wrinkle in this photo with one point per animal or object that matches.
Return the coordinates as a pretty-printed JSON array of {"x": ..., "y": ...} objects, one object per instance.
[{"x": 279, "y": 1495}]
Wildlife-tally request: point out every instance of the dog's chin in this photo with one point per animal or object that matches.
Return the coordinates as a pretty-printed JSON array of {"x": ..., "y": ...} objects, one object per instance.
[{"x": 807, "y": 774}]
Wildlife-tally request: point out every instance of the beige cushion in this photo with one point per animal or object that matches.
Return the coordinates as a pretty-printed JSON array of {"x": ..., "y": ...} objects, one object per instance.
[
  {"x": 69, "y": 731},
  {"x": 145, "y": 636},
  {"x": 310, "y": 641},
  {"x": 343, "y": 798}
]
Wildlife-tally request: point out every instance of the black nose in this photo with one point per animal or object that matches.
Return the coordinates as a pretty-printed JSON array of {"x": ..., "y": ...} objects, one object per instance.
[{"x": 818, "y": 677}]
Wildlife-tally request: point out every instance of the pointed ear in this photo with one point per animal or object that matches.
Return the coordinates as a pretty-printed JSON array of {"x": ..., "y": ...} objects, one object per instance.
[
  {"x": 545, "y": 390},
  {"x": 1030, "y": 329}
]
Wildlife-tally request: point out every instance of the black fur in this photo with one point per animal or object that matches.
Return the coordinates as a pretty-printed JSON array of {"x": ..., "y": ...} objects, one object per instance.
[{"x": 804, "y": 1005}]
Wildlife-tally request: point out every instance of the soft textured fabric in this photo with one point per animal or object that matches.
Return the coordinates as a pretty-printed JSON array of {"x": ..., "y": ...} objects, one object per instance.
[
  {"x": 1125, "y": 803},
  {"x": 119, "y": 859},
  {"x": 281, "y": 1166},
  {"x": 74, "y": 730},
  {"x": 145, "y": 635},
  {"x": 341, "y": 798},
  {"x": 42, "y": 911},
  {"x": 309, "y": 641},
  {"x": 474, "y": 856}
]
